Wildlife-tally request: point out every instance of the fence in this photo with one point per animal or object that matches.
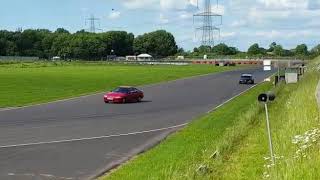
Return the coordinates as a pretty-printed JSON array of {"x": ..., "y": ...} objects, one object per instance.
[{"x": 18, "y": 58}]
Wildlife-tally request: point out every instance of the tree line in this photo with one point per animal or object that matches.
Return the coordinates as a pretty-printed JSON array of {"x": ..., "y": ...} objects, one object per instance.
[
  {"x": 274, "y": 50},
  {"x": 45, "y": 44}
]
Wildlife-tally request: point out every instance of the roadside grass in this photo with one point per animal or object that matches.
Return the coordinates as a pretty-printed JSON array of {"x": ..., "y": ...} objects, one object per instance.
[
  {"x": 196, "y": 151},
  {"x": 231, "y": 142},
  {"x": 39, "y": 82},
  {"x": 294, "y": 113}
]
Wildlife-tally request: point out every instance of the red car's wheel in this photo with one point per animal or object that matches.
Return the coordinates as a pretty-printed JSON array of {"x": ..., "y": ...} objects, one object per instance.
[
  {"x": 124, "y": 100},
  {"x": 139, "y": 99}
]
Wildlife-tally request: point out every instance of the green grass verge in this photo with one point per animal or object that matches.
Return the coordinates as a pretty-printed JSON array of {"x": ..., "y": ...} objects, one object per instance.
[
  {"x": 231, "y": 143},
  {"x": 181, "y": 155},
  {"x": 32, "y": 83},
  {"x": 293, "y": 113}
]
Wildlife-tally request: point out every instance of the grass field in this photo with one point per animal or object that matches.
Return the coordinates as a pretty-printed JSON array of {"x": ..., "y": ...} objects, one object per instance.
[
  {"x": 231, "y": 143},
  {"x": 31, "y": 83}
]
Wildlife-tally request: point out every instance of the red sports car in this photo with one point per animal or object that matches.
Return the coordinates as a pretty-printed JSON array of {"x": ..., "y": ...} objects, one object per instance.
[{"x": 123, "y": 95}]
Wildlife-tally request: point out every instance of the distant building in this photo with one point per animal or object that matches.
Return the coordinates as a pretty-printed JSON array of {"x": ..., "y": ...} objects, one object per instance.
[
  {"x": 180, "y": 58},
  {"x": 131, "y": 58},
  {"x": 144, "y": 57},
  {"x": 56, "y": 58}
]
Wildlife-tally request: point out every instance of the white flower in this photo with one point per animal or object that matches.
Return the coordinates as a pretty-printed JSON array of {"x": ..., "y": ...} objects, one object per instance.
[{"x": 266, "y": 158}]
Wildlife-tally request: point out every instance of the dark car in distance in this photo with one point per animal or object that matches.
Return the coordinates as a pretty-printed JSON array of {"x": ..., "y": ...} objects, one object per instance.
[
  {"x": 124, "y": 94},
  {"x": 246, "y": 79}
]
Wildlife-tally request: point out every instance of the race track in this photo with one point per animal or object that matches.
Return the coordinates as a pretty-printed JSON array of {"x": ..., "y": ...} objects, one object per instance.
[{"x": 81, "y": 137}]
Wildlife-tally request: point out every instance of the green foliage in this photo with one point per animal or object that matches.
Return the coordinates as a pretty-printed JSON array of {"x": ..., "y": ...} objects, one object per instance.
[
  {"x": 158, "y": 43},
  {"x": 256, "y": 50},
  {"x": 301, "y": 50},
  {"x": 62, "y": 31},
  {"x": 45, "y": 44},
  {"x": 272, "y": 46},
  {"x": 83, "y": 45},
  {"x": 223, "y": 49},
  {"x": 278, "y": 50},
  {"x": 315, "y": 51},
  {"x": 215, "y": 51}
]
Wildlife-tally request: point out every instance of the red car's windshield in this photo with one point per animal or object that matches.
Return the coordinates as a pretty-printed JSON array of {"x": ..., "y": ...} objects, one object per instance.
[{"x": 122, "y": 90}]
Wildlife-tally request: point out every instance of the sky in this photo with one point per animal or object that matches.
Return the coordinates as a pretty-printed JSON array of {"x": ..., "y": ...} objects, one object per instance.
[{"x": 287, "y": 22}]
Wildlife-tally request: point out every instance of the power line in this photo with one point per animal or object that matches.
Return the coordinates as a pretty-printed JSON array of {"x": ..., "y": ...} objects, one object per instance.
[
  {"x": 209, "y": 25},
  {"x": 92, "y": 22}
]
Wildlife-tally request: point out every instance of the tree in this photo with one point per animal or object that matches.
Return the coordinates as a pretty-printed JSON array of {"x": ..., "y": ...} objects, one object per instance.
[
  {"x": 223, "y": 49},
  {"x": 29, "y": 42},
  {"x": 255, "y": 50},
  {"x": 204, "y": 49},
  {"x": 233, "y": 51},
  {"x": 181, "y": 51},
  {"x": 82, "y": 31},
  {"x": 158, "y": 43},
  {"x": 301, "y": 50},
  {"x": 120, "y": 42},
  {"x": 316, "y": 50},
  {"x": 288, "y": 53},
  {"x": 62, "y": 31},
  {"x": 61, "y": 46},
  {"x": 3, "y": 47},
  {"x": 278, "y": 50},
  {"x": 272, "y": 46}
]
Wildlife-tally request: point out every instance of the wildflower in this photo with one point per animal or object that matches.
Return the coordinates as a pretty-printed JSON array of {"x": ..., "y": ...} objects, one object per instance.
[
  {"x": 266, "y": 158},
  {"x": 203, "y": 169}
]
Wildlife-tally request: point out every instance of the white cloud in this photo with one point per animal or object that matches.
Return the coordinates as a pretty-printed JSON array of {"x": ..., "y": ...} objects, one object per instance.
[
  {"x": 292, "y": 34},
  {"x": 218, "y": 9},
  {"x": 259, "y": 14},
  {"x": 137, "y": 4},
  {"x": 163, "y": 19},
  {"x": 271, "y": 12},
  {"x": 314, "y": 4},
  {"x": 284, "y": 4},
  {"x": 174, "y": 4},
  {"x": 193, "y": 2},
  {"x": 114, "y": 15},
  {"x": 227, "y": 34},
  {"x": 269, "y": 34},
  {"x": 239, "y": 23},
  {"x": 163, "y": 4},
  {"x": 185, "y": 15}
]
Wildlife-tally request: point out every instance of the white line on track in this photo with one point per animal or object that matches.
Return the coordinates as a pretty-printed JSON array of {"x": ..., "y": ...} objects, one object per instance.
[
  {"x": 94, "y": 138},
  {"x": 233, "y": 98},
  {"x": 237, "y": 96}
]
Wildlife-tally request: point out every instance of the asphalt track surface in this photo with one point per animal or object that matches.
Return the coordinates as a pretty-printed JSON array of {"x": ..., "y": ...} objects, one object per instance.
[{"x": 82, "y": 137}]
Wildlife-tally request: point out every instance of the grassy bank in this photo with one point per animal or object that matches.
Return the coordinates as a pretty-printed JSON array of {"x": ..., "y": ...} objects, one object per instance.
[
  {"x": 30, "y": 83},
  {"x": 295, "y": 129},
  {"x": 231, "y": 143}
]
